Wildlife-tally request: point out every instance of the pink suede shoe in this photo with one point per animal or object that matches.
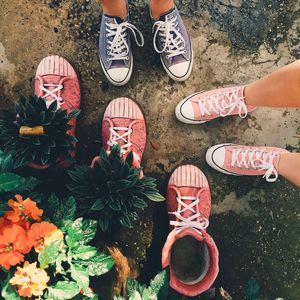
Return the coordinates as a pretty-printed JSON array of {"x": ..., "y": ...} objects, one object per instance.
[
  {"x": 124, "y": 124},
  {"x": 56, "y": 80},
  {"x": 189, "y": 251},
  {"x": 238, "y": 160},
  {"x": 206, "y": 106}
]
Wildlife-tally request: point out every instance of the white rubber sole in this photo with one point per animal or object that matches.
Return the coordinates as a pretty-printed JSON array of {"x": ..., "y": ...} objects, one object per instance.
[
  {"x": 209, "y": 160},
  {"x": 188, "y": 74},
  {"x": 179, "y": 115},
  {"x": 117, "y": 83}
]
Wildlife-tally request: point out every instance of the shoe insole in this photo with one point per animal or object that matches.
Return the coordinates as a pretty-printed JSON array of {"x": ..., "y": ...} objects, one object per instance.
[{"x": 189, "y": 259}]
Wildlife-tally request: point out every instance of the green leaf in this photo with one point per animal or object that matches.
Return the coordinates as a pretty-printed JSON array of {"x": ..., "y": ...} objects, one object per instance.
[
  {"x": 133, "y": 285},
  {"x": 155, "y": 196},
  {"x": 139, "y": 203},
  {"x": 103, "y": 223},
  {"x": 98, "y": 205},
  {"x": 49, "y": 254},
  {"x": 149, "y": 294},
  {"x": 74, "y": 113},
  {"x": 98, "y": 265},
  {"x": 62, "y": 210},
  {"x": 84, "y": 252},
  {"x": 9, "y": 182},
  {"x": 29, "y": 184},
  {"x": 82, "y": 231},
  {"x": 160, "y": 285},
  {"x": 81, "y": 276},
  {"x": 8, "y": 292},
  {"x": 6, "y": 162},
  {"x": 135, "y": 296},
  {"x": 63, "y": 290}
]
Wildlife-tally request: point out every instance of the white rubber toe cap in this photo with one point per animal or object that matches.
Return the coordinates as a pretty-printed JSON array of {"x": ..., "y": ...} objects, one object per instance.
[
  {"x": 215, "y": 157},
  {"x": 184, "y": 111},
  {"x": 119, "y": 76},
  {"x": 180, "y": 71}
]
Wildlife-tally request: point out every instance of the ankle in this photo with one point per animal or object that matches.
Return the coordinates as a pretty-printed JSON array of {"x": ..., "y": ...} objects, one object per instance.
[
  {"x": 160, "y": 7},
  {"x": 248, "y": 96},
  {"x": 116, "y": 8},
  {"x": 283, "y": 164}
]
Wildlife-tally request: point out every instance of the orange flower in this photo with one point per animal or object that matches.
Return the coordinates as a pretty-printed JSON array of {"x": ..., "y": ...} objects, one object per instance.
[
  {"x": 23, "y": 210},
  {"x": 31, "y": 281},
  {"x": 13, "y": 244},
  {"x": 40, "y": 233},
  {"x": 3, "y": 224}
]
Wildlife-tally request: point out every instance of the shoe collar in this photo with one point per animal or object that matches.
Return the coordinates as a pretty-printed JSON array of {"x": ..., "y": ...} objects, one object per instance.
[{"x": 206, "y": 282}]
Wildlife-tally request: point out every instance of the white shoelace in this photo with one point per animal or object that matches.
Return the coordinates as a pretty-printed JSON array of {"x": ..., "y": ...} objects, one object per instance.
[
  {"x": 215, "y": 104},
  {"x": 190, "y": 222},
  {"x": 116, "y": 137},
  {"x": 118, "y": 48},
  {"x": 52, "y": 93},
  {"x": 256, "y": 159},
  {"x": 166, "y": 30}
]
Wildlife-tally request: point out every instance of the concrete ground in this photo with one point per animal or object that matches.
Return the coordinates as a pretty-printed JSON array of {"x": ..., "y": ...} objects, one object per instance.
[{"x": 255, "y": 224}]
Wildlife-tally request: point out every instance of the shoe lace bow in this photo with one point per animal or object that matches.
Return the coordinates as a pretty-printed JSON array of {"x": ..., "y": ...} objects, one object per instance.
[
  {"x": 172, "y": 40},
  {"x": 188, "y": 222},
  {"x": 256, "y": 159},
  {"x": 217, "y": 103},
  {"x": 118, "y": 48}
]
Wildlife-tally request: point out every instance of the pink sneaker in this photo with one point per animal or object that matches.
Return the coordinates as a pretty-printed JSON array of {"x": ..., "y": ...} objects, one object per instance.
[
  {"x": 56, "y": 80},
  {"x": 189, "y": 251},
  {"x": 124, "y": 124},
  {"x": 206, "y": 106},
  {"x": 239, "y": 160}
]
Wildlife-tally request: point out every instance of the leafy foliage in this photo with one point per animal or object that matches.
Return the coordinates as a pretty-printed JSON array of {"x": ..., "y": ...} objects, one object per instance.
[
  {"x": 11, "y": 183},
  {"x": 157, "y": 289},
  {"x": 112, "y": 190},
  {"x": 75, "y": 259},
  {"x": 67, "y": 259},
  {"x": 43, "y": 149}
]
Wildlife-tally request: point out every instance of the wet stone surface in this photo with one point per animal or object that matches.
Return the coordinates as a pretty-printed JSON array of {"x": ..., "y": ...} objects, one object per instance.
[{"x": 255, "y": 224}]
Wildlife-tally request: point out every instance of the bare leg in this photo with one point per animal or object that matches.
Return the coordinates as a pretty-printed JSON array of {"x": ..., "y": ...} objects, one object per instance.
[
  {"x": 116, "y": 8},
  {"x": 160, "y": 7},
  {"x": 289, "y": 167},
  {"x": 279, "y": 89}
]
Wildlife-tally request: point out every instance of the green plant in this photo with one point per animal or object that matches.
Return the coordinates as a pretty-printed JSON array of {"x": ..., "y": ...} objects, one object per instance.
[
  {"x": 52, "y": 140},
  {"x": 113, "y": 190},
  {"x": 157, "y": 290},
  {"x": 11, "y": 183},
  {"x": 59, "y": 261}
]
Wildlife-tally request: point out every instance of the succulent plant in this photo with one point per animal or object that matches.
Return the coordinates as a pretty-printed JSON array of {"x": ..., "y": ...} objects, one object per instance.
[
  {"x": 112, "y": 190},
  {"x": 35, "y": 133}
]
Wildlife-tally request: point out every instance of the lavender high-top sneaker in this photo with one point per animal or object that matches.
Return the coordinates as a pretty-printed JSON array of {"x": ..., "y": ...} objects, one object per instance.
[
  {"x": 172, "y": 42},
  {"x": 115, "y": 48}
]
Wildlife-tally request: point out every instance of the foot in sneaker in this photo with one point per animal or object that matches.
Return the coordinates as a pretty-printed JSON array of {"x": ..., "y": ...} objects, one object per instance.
[
  {"x": 115, "y": 48},
  {"x": 206, "y": 106},
  {"x": 239, "y": 160},
  {"x": 124, "y": 124},
  {"x": 172, "y": 42},
  {"x": 189, "y": 251},
  {"x": 56, "y": 80}
]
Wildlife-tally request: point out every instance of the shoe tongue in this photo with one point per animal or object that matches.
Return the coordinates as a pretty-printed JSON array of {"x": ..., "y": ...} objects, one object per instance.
[{"x": 170, "y": 14}]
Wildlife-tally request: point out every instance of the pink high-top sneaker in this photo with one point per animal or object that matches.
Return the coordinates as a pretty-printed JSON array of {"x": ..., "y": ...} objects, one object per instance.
[
  {"x": 238, "y": 160},
  {"x": 206, "y": 106},
  {"x": 189, "y": 251},
  {"x": 124, "y": 124},
  {"x": 56, "y": 80}
]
